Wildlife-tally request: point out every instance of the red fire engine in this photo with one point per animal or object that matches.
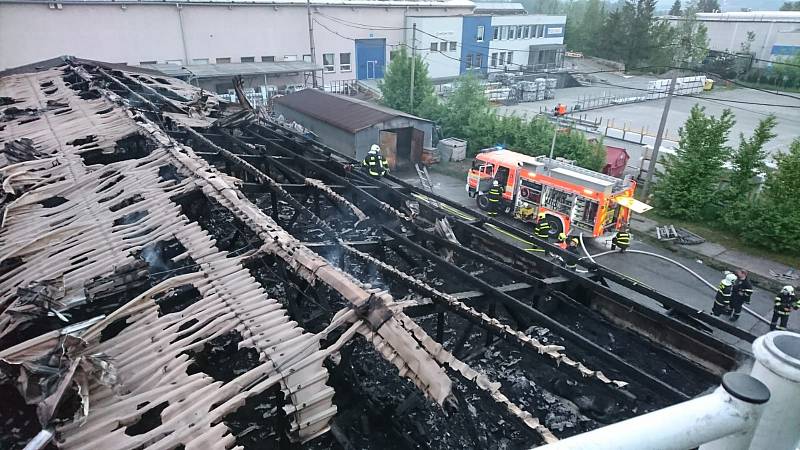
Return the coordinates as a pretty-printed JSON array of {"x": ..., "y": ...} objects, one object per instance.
[{"x": 574, "y": 199}]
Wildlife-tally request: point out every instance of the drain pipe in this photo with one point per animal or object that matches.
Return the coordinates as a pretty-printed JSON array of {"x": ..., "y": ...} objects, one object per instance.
[
  {"x": 723, "y": 420},
  {"x": 778, "y": 366}
]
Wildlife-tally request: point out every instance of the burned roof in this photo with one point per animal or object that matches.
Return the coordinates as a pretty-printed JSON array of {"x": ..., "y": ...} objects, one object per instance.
[
  {"x": 181, "y": 272},
  {"x": 346, "y": 113}
]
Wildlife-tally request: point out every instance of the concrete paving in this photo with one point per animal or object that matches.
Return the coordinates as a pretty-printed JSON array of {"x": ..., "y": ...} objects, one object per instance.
[
  {"x": 648, "y": 114},
  {"x": 661, "y": 275}
]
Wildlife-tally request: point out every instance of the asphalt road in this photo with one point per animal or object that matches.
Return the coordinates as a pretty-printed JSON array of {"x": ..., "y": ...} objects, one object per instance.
[
  {"x": 648, "y": 114},
  {"x": 661, "y": 275}
]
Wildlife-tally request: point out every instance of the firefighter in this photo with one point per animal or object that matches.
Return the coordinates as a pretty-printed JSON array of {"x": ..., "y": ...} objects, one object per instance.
[
  {"x": 560, "y": 110},
  {"x": 622, "y": 239},
  {"x": 562, "y": 241},
  {"x": 374, "y": 162},
  {"x": 785, "y": 302},
  {"x": 722, "y": 301},
  {"x": 542, "y": 228},
  {"x": 495, "y": 196},
  {"x": 572, "y": 247},
  {"x": 742, "y": 290}
]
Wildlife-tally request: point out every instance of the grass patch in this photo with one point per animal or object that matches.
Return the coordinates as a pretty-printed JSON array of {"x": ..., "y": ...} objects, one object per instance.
[
  {"x": 768, "y": 87},
  {"x": 729, "y": 240}
]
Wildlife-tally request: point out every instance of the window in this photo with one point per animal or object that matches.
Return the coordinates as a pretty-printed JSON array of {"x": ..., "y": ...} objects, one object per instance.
[
  {"x": 469, "y": 61},
  {"x": 290, "y": 57},
  {"x": 200, "y": 61},
  {"x": 248, "y": 59},
  {"x": 328, "y": 62},
  {"x": 540, "y": 31},
  {"x": 453, "y": 46},
  {"x": 307, "y": 58},
  {"x": 223, "y": 60},
  {"x": 504, "y": 33},
  {"x": 496, "y": 33},
  {"x": 519, "y": 31},
  {"x": 527, "y": 31},
  {"x": 494, "y": 59},
  {"x": 144, "y": 63},
  {"x": 478, "y": 60},
  {"x": 267, "y": 59},
  {"x": 344, "y": 62},
  {"x": 511, "y": 32},
  {"x": 174, "y": 62},
  {"x": 434, "y": 46},
  {"x": 510, "y": 57},
  {"x": 479, "y": 34},
  {"x": 502, "y": 58}
]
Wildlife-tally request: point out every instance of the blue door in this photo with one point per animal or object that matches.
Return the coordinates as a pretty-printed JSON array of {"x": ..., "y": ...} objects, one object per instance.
[{"x": 370, "y": 58}]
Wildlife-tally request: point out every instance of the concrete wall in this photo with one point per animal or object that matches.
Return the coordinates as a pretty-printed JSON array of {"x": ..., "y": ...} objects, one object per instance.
[
  {"x": 443, "y": 63},
  {"x": 133, "y": 33},
  {"x": 339, "y": 139},
  {"x": 551, "y": 32}
]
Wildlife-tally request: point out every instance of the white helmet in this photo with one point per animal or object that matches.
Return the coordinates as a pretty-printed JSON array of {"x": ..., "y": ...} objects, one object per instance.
[
  {"x": 787, "y": 290},
  {"x": 726, "y": 282},
  {"x": 731, "y": 277},
  {"x": 495, "y": 183},
  {"x": 374, "y": 149}
]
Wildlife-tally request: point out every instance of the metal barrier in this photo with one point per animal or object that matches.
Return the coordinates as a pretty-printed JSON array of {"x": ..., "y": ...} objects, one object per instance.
[{"x": 748, "y": 412}]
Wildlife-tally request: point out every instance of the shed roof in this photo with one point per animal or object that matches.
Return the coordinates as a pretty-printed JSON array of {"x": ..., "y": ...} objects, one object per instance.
[
  {"x": 345, "y": 113},
  {"x": 230, "y": 69}
]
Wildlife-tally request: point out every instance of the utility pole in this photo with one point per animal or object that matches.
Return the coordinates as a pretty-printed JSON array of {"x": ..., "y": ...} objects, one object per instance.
[
  {"x": 555, "y": 133},
  {"x": 413, "y": 63},
  {"x": 657, "y": 146},
  {"x": 311, "y": 44}
]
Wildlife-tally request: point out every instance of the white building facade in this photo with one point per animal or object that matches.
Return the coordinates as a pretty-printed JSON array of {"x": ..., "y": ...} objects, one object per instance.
[
  {"x": 535, "y": 42},
  {"x": 777, "y": 33},
  {"x": 208, "y": 32}
]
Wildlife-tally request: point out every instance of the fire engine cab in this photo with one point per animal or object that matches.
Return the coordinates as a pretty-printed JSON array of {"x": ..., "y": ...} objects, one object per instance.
[{"x": 574, "y": 199}]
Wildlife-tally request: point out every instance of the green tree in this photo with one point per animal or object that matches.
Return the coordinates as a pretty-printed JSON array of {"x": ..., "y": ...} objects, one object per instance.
[
  {"x": 774, "y": 221},
  {"x": 676, "y": 9},
  {"x": 690, "y": 39},
  {"x": 396, "y": 85},
  {"x": 749, "y": 158},
  {"x": 708, "y": 6},
  {"x": 466, "y": 107},
  {"x": 790, "y": 6},
  {"x": 690, "y": 182}
]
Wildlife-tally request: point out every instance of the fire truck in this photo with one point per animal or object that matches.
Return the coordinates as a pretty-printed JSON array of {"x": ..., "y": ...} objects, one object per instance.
[{"x": 573, "y": 199}]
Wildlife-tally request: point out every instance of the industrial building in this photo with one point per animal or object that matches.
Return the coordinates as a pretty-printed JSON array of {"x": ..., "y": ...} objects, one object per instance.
[
  {"x": 777, "y": 33},
  {"x": 268, "y": 42},
  {"x": 352, "y": 126}
]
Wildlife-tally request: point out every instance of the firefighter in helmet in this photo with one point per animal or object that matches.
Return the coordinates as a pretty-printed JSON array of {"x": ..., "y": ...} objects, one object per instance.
[
  {"x": 742, "y": 290},
  {"x": 622, "y": 239},
  {"x": 722, "y": 300},
  {"x": 374, "y": 162},
  {"x": 572, "y": 247},
  {"x": 494, "y": 196},
  {"x": 562, "y": 241},
  {"x": 785, "y": 302},
  {"x": 542, "y": 228}
]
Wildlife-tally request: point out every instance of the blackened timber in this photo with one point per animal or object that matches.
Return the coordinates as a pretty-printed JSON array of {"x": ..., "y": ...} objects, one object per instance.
[
  {"x": 294, "y": 175},
  {"x": 263, "y": 178},
  {"x": 130, "y": 91},
  {"x": 517, "y": 306},
  {"x": 374, "y": 201},
  {"x": 473, "y": 318}
]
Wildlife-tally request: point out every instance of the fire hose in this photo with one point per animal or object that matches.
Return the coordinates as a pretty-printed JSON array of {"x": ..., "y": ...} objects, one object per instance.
[{"x": 591, "y": 258}]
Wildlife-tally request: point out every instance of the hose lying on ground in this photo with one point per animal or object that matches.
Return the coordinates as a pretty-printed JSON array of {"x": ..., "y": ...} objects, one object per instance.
[{"x": 591, "y": 258}]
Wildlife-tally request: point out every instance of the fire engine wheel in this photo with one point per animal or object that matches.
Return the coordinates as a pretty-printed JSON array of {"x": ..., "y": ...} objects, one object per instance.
[
  {"x": 483, "y": 202},
  {"x": 556, "y": 226}
]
